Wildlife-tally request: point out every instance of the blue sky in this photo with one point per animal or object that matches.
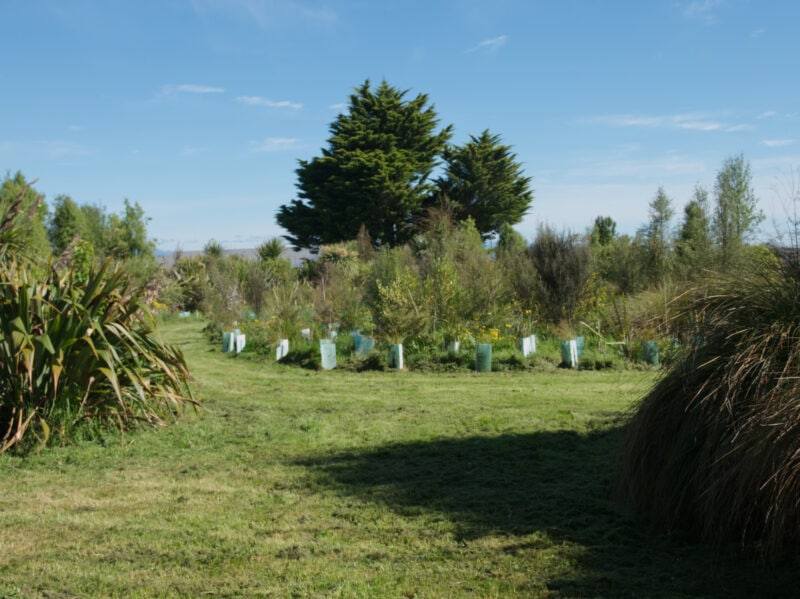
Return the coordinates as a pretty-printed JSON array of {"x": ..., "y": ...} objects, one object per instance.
[{"x": 200, "y": 109}]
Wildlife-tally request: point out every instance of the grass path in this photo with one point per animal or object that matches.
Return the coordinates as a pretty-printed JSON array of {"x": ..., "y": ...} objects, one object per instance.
[{"x": 290, "y": 483}]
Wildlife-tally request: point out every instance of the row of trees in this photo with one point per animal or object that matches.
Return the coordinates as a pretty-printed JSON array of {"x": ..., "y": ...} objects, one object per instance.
[
  {"x": 377, "y": 173},
  {"x": 714, "y": 234},
  {"x": 51, "y": 230}
]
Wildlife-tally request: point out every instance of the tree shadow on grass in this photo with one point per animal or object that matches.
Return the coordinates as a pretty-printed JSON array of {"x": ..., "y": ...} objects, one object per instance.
[{"x": 554, "y": 483}]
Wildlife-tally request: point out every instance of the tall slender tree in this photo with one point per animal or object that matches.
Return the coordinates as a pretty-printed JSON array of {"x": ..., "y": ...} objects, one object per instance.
[
  {"x": 128, "y": 233},
  {"x": 736, "y": 213},
  {"x": 657, "y": 235},
  {"x": 693, "y": 246}
]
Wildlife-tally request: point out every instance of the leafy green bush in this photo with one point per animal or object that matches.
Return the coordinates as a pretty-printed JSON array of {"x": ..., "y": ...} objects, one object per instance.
[
  {"x": 561, "y": 262},
  {"x": 73, "y": 351}
]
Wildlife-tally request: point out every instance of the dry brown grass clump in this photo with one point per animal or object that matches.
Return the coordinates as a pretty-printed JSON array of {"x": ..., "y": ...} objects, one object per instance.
[{"x": 714, "y": 449}]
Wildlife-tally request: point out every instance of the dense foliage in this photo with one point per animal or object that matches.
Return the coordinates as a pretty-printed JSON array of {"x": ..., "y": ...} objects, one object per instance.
[
  {"x": 375, "y": 174},
  {"x": 78, "y": 348},
  {"x": 444, "y": 284},
  {"x": 374, "y": 171},
  {"x": 484, "y": 182}
]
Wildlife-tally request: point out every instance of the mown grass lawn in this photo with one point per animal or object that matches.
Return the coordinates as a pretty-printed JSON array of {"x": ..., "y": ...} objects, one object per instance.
[{"x": 291, "y": 483}]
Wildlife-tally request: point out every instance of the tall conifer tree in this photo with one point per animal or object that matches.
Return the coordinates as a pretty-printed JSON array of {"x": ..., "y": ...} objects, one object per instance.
[{"x": 374, "y": 172}]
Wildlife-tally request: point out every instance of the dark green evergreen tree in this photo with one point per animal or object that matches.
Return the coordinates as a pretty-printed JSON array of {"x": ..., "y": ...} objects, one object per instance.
[
  {"x": 484, "y": 181},
  {"x": 374, "y": 171}
]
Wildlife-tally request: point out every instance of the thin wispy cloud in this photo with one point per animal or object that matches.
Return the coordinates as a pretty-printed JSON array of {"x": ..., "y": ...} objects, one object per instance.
[
  {"x": 275, "y": 144},
  {"x": 693, "y": 122},
  {"x": 768, "y": 114},
  {"x": 259, "y": 101},
  {"x": 170, "y": 91},
  {"x": 193, "y": 150},
  {"x": 339, "y": 106},
  {"x": 490, "y": 45},
  {"x": 620, "y": 168},
  {"x": 60, "y": 148},
  {"x": 757, "y": 32},
  {"x": 266, "y": 13},
  {"x": 778, "y": 143},
  {"x": 190, "y": 88},
  {"x": 697, "y": 125},
  {"x": 700, "y": 10}
]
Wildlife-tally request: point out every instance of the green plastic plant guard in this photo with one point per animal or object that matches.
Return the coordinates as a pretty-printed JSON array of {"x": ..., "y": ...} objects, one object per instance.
[
  {"x": 327, "y": 352},
  {"x": 365, "y": 345},
  {"x": 396, "y": 356},
  {"x": 483, "y": 357},
  {"x": 650, "y": 353},
  {"x": 580, "y": 342},
  {"x": 569, "y": 353},
  {"x": 227, "y": 342}
]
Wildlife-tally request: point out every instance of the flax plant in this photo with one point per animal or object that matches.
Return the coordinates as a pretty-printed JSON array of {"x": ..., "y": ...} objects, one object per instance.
[{"x": 78, "y": 345}]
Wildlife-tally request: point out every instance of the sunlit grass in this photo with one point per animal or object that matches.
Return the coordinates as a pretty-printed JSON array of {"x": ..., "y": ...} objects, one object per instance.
[{"x": 291, "y": 483}]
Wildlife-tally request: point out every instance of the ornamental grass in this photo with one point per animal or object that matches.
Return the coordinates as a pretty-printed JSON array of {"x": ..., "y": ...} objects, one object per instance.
[{"x": 713, "y": 450}]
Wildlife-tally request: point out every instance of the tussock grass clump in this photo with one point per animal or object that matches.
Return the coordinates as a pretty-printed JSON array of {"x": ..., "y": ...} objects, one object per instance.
[{"x": 714, "y": 449}]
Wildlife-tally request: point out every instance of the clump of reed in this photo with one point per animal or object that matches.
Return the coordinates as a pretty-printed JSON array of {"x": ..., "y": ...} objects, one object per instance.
[{"x": 713, "y": 450}]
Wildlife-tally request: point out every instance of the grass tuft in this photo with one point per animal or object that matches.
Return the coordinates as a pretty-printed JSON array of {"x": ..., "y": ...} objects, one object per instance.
[{"x": 714, "y": 448}]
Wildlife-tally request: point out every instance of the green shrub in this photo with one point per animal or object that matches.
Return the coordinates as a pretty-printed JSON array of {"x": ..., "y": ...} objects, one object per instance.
[
  {"x": 561, "y": 262},
  {"x": 73, "y": 351}
]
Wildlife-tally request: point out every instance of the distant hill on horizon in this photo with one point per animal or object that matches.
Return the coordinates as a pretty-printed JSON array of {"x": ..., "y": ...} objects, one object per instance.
[{"x": 296, "y": 258}]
